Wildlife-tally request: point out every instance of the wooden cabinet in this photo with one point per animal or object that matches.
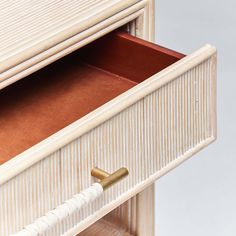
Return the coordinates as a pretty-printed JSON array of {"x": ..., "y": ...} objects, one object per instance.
[{"x": 115, "y": 101}]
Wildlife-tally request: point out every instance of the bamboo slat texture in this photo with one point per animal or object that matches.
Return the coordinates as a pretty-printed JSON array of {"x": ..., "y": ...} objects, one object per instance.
[
  {"x": 35, "y": 33},
  {"x": 149, "y": 137}
]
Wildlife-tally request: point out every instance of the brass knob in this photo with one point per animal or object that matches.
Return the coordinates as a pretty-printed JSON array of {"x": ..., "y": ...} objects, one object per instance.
[{"x": 106, "y": 179}]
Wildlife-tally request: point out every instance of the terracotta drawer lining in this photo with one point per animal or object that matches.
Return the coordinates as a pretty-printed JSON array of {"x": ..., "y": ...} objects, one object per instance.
[{"x": 52, "y": 98}]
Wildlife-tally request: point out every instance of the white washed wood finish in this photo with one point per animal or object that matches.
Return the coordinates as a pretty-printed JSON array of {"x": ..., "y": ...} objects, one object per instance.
[
  {"x": 53, "y": 29},
  {"x": 103, "y": 227},
  {"x": 136, "y": 216},
  {"x": 30, "y": 28},
  {"x": 121, "y": 221},
  {"x": 150, "y": 137}
]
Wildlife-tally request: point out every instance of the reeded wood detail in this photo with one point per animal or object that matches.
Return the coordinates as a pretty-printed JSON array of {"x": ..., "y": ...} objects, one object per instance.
[
  {"x": 178, "y": 117},
  {"x": 103, "y": 227},
  {"x": 30, "y": 29},
  {"x": 149, "y": 138},
  {"x": 53, "y": 29},
  {"x": 121, "y": 221}
]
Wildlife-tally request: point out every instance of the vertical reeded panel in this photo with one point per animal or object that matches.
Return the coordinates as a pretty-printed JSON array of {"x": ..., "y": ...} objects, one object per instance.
[
  {"x": 30, "y": 30},
  {"x": 150, "y": 137},
  {"x": 116, "y": 143},
  {"x": 30, "y": 194},
  {"x": 178, "y": 117}
]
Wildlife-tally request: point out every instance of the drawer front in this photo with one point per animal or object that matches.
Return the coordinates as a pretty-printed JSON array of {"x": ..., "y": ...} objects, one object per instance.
[{"x": 173, "y": 119}]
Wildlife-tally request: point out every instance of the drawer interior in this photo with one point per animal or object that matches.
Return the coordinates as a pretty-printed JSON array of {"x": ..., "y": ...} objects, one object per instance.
[{"x": 41, "y": 104}]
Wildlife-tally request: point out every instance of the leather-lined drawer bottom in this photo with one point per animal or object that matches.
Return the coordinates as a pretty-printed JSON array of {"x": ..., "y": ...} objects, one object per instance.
[{"x": 117, "y": 102}]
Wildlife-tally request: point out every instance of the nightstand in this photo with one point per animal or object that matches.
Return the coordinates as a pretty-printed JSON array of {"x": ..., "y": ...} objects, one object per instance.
[{"x": 83, "y": 87}]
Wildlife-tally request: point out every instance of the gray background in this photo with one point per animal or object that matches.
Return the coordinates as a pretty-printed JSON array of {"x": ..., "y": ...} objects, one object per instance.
[{"x": 199, "y": 197}]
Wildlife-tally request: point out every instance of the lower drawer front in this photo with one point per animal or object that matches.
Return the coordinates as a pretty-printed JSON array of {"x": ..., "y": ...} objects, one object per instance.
[{"x": 174, "y": 120}]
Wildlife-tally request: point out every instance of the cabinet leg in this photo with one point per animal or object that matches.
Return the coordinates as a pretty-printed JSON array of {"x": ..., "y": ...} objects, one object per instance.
[{"x": 146, "y": 212}]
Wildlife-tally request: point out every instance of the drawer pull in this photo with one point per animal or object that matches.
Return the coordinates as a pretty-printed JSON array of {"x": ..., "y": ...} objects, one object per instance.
[
  {"x": 109, "y": 179},
  {"x": 55, "y": 216}
]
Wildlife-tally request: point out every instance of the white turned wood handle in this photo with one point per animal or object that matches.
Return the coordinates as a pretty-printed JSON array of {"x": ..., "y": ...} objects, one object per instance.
[{"x": 44, "y": 223}]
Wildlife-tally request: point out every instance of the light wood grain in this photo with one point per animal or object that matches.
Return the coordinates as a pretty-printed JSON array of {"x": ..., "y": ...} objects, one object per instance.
[
  {"x": 149, "y": 137},
  {"x": 150, "y": 129},
  {"x": 103, "y": 227},
  {"x": 105, "y": 112},
  {"x": 45, "y": 58},
  {"x": 142, "y": 214},
  {"x": 27, "y": 61},
  {"x": 133, "y": 217},
  {"x": 48, "y": 24}
]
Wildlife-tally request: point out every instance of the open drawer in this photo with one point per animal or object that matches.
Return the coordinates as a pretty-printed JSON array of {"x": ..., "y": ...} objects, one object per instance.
[{"x": 119, "y": 101}]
